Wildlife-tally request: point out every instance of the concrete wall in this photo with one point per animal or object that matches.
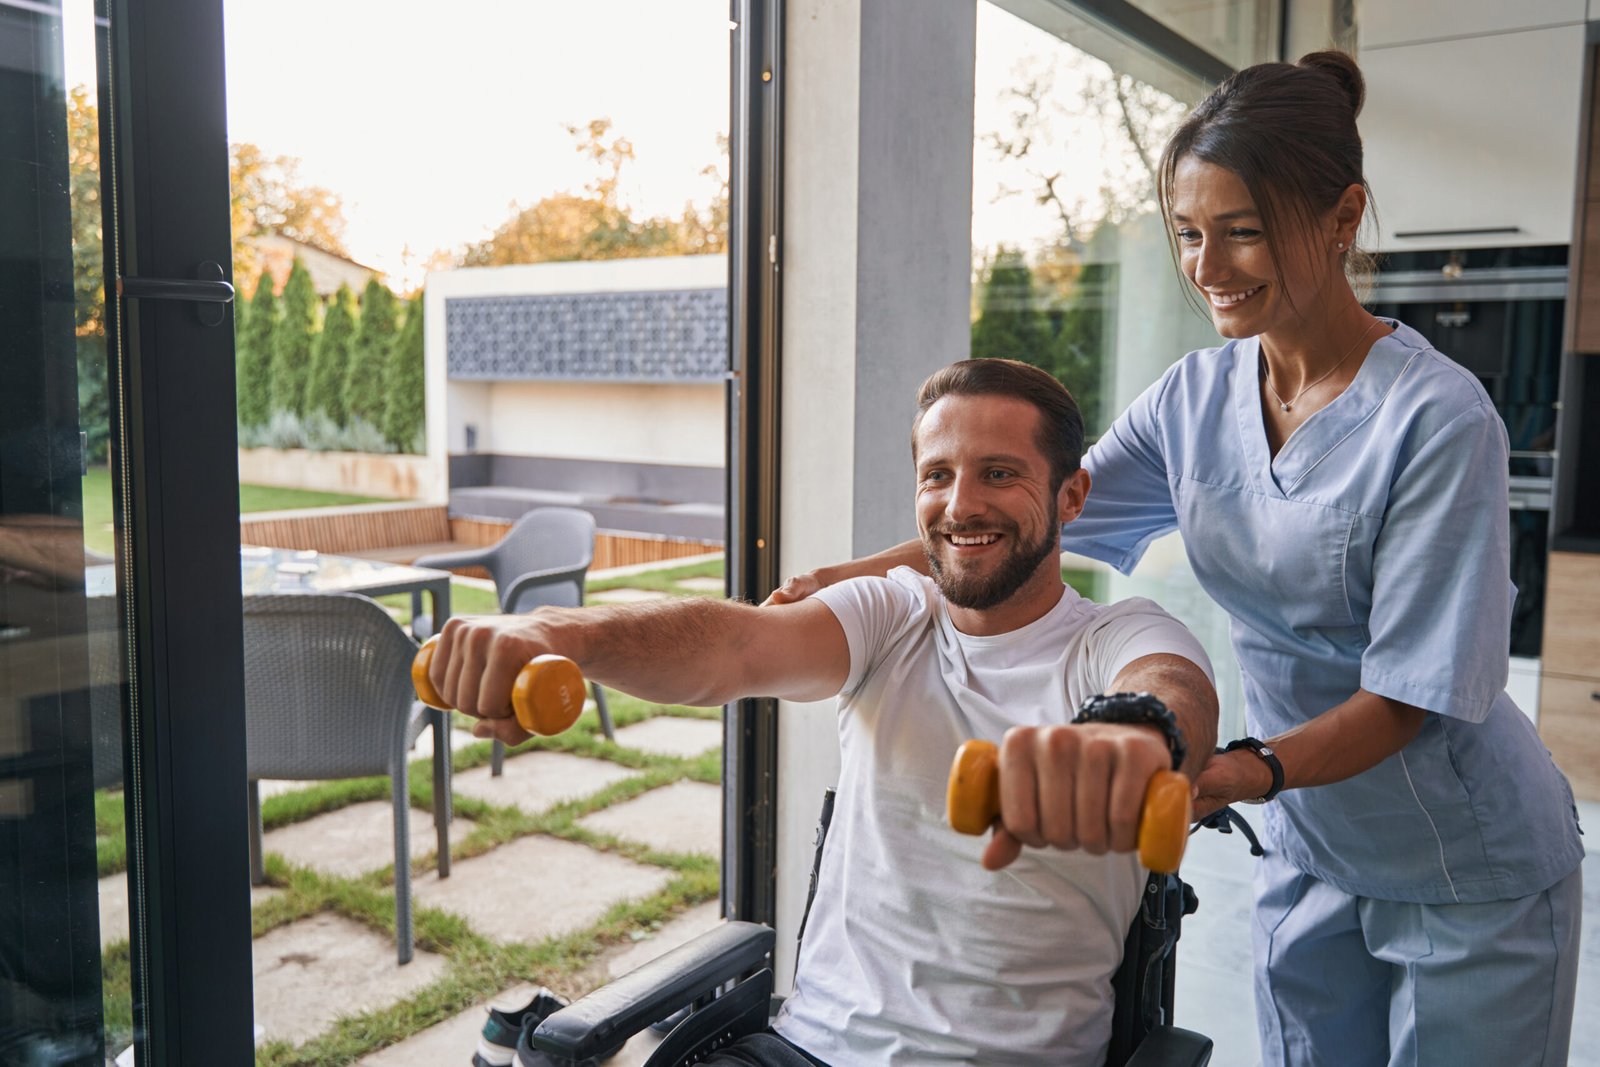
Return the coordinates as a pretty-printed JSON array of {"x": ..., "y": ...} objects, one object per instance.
[
  {"x": 659, "y": 423},
  {"x": 633, "y": 423},
  {"x": 876, "y": 294}
]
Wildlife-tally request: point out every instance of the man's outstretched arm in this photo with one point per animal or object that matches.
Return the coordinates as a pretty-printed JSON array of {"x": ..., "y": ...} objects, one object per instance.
[{"x": 695, "y": 651}]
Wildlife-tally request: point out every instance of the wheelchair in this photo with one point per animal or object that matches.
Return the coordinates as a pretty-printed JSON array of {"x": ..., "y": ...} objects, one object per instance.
[{"x": 718, "y": 987}]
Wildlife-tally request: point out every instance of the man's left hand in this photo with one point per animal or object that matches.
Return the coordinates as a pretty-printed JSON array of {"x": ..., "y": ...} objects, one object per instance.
[{"x": 1073, "y": 787}]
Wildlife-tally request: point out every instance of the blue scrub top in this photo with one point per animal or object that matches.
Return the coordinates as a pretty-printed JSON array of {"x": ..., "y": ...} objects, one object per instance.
[{"x": 1372, "y": 552}]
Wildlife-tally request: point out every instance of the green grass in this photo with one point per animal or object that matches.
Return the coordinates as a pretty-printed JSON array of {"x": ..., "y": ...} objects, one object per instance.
[
  {"x": 98, "y": 535},
  {"x": 662, "y": 580}
]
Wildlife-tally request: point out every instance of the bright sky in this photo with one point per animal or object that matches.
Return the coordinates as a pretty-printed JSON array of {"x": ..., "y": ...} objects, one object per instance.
[{"x": 429, "y": 122}]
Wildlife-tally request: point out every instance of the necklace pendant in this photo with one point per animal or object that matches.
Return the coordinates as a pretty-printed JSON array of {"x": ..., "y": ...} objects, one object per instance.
[{"x": 1284, "y": 406}]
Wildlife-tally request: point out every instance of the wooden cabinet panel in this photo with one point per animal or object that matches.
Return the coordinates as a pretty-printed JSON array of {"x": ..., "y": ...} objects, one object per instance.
[
  {"x": 1572, "y": 615},
  {"x": 1569, "y": 724}
]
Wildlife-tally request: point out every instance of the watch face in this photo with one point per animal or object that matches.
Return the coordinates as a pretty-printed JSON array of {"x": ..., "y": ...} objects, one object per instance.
[{"x": 1254, "y": 800}]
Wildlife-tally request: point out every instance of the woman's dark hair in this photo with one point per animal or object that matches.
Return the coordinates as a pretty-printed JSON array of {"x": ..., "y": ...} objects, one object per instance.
[
  {"x": 1288, "y": 130},
  {"x": 1060, "y": 433}
]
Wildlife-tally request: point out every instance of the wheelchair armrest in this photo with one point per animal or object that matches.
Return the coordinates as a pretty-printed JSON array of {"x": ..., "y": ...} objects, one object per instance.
[
  {"x": 610, "y": 1015},
  {"x": 1169, "y": 1046}
]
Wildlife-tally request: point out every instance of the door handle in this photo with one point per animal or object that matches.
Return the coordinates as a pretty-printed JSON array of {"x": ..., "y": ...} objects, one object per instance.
[{"x": 207, "y": 289}]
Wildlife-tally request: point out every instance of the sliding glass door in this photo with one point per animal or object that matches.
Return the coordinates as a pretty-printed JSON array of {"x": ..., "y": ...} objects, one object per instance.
[{"x": 123, "y": 875}]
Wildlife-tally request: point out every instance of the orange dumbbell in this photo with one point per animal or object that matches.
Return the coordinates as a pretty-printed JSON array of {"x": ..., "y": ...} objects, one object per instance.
[
  {"x": 547, "y": 697},
  {"x": 973, "y": 804}
]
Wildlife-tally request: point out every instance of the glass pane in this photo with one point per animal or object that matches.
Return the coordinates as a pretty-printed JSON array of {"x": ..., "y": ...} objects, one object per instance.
[
  {"x": 1071, "y": 265},
  {"x": 65, "y": 962},
  {"x": 481, "y": 268},
  {"x": 1240, "y": 31}
]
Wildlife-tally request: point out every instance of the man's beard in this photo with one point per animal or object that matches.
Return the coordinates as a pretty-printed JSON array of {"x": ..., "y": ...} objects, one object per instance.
[{"x": 979, "y": 592}]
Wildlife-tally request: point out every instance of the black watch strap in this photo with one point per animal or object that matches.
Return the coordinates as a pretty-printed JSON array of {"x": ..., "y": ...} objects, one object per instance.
[
  {"x": 1269, "y": 757},
  {"x": 1136, "y": 709}
]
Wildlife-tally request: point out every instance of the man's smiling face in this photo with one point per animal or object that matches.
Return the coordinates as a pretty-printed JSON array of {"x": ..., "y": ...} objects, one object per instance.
[{"x": 985, "y": 507}]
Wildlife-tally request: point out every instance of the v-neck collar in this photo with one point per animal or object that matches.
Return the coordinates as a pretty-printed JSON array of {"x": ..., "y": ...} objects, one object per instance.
[{"x": 1313, "y": 439}]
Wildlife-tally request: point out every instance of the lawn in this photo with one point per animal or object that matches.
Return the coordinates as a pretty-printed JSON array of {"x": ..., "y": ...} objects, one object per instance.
[{"x": 97, "y": 510}]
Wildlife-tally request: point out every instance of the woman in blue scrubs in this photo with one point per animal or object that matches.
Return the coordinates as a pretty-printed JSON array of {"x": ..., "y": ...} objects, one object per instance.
[{"x": 1341, "y": 488}]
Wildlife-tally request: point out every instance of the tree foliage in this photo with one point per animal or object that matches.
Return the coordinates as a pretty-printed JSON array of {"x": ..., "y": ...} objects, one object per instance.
[
  {"x": 291, "y": 342},
  {"x": 404, "y": 405},
  {"x": 253, "y": 356},
  {"x": 369, "y": 353},
  {"x": 1060, "y": 331},
  {"x": 267, "y": 196},
  {"x": 88, "y": 273},
  {"x": 596, "y": 224},
  {"x": 330, "y": 358}
]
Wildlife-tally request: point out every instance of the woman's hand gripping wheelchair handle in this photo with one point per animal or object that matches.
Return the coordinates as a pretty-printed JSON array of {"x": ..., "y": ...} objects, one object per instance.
[
  {"x": 547, "y": 697},
  {"x": 973, "y": 805}
]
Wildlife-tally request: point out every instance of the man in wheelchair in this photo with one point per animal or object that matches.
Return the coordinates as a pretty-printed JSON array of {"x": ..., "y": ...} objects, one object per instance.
[{"x": 924, "y": 945}]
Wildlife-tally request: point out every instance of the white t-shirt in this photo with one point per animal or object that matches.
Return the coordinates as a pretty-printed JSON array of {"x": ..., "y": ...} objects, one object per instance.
[{"x": 913, "y": 952}]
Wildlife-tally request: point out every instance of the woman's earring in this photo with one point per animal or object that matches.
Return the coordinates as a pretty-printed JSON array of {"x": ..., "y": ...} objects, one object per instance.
[{"x": 1340, "y": 246}]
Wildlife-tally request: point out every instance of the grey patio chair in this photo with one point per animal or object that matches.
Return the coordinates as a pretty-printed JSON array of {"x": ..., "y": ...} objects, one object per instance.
[
  {"x": 328, "y": 695},
  {"x": 540, "y": 562}
]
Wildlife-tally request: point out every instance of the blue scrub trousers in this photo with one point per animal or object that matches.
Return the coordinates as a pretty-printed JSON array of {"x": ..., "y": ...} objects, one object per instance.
[{"x": 1357, "y": 982}]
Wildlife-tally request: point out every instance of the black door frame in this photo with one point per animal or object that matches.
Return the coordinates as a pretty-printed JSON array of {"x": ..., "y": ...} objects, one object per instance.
[
  {"x": 755, "y": 188},
  {"x": 177, "y": 488}
]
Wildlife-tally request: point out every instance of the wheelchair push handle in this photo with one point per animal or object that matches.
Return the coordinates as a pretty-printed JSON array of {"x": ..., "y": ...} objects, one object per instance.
[
  {"x": 973, "y": 804},
  {"x": 547, "y": 697}
]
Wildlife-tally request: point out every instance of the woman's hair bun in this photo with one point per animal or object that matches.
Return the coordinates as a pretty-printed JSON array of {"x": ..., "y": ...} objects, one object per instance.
[{"x": 1342, "y": 69}]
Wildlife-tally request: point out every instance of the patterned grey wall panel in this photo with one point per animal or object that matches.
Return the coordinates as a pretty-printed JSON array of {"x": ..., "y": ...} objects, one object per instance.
[{"x": 667, "y": 335}]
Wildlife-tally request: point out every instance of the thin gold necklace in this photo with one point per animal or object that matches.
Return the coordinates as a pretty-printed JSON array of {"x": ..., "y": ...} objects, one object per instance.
[{"x": 1266, "y": 371}]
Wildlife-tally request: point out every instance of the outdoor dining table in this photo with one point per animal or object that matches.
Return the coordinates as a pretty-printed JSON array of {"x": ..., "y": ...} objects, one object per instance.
[{"x": 265, "y": 570}]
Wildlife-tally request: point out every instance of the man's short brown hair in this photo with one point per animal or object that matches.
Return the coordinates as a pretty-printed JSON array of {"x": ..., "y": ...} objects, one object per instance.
[{"x": 1060, "y": 433}]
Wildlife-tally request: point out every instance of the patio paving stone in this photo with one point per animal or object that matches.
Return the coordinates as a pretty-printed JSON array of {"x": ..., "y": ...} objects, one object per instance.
[
  {"x": 680, "y": 931},
  {"x": 681, "y": 817},
  {"x": 702, "y": 585},
  {"x": 114, "y": 905},
  {"x": 311, "y": 972},
  {"x": 672, "y": 735},
  {"x": 625, "y": 596},
  {"x": 449, "y": 1042},
  {"x": 537, "y": 886},
  {"x": 356, "y": 839},
  {"x": 535, "y": 781},
  {"x": 453, "y": 1040}
]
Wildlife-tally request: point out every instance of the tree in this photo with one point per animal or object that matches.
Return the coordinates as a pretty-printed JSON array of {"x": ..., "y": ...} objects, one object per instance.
[
  {"x": 403, "y": 414},
  {"x": 253, "y": 356},
  {"x": 330, "y": 358},
  {"x": 291, "y": 343},
  {"x": 369, "y": 353},
  {"x": 1009, "y": 323},
  {"x": 268, "y": 196},
  {"x": 595, "y": 224},
  {"x": 88, "y": 273}
]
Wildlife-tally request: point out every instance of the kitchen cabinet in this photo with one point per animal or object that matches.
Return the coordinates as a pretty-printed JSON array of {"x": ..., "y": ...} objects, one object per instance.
[
  {"x": 1569, "y": 689},
  {"x": 1389, "y": 22},
  {"x": 1472, "y": 143}
]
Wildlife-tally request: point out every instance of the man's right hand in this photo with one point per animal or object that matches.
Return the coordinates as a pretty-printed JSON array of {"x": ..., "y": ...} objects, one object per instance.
[{"x": 476, "y": 662}]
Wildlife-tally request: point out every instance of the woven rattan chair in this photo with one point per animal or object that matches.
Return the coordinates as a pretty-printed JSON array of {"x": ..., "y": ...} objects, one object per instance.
[
  {"x": 540, "y": 562},
  {"x": 328, "y": 694}
]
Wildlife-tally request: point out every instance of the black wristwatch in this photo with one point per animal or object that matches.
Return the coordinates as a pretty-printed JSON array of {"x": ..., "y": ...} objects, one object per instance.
[
  {"x": 1135, "y": 709},
  {"x": 1269, "y": 757}
]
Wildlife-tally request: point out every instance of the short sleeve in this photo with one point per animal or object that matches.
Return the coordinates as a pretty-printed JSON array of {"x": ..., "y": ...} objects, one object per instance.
[
  {"x": 1130, "y": 630},
  {"x": 1441, "y": 597},
  {"x": 1130, "y": 501},
  {"x": 874, "y": 613}
]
